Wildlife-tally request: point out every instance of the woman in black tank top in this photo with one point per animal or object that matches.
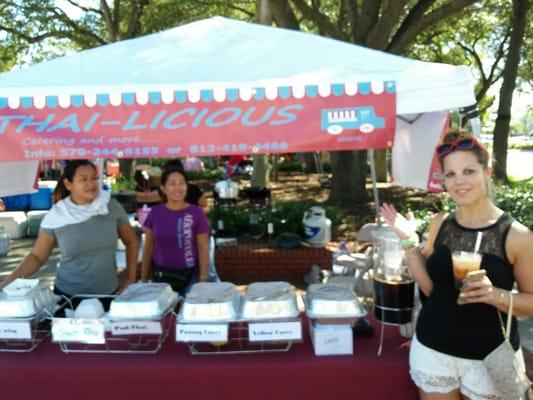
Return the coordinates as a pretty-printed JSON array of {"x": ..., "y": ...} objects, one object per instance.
[{"x": 470, "y": 331}]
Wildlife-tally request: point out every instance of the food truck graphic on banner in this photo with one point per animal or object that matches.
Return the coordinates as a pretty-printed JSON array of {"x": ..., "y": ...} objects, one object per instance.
[
  {"x": 199, "y": 122},
  {"x": 335, "y": 120}
]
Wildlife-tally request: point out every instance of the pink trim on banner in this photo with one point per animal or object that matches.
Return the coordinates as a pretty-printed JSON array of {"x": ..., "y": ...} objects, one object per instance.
[{"x": 234, "y": 126}]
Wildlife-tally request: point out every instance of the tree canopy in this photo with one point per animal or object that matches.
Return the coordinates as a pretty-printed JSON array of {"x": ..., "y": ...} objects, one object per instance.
[{"x": 451, "y": 31}]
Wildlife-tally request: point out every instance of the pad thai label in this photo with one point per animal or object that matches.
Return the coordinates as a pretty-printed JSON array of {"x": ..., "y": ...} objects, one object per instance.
[{"x": 136, "y": 328}]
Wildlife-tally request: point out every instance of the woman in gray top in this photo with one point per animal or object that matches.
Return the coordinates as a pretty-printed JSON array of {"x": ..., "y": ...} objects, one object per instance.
[{"x": 85, "y": 224}]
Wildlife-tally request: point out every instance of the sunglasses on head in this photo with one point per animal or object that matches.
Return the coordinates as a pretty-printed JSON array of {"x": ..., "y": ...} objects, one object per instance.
[{"x": 464, "y": 143}]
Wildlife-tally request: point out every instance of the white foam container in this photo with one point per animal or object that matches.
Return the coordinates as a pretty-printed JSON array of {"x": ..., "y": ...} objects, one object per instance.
[
  {"x": 4, "y": 241},
  {"x": 329, "y": 340},
  {"x": 15, "y": 223},
  {"x": 34, "y": 221}
]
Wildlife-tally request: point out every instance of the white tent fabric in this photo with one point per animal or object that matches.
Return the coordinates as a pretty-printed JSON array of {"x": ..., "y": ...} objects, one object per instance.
[
  {"x": 414, "y": 143},
  {"x": 219, "y": 53},
  {"x": 18, "y": 177}
]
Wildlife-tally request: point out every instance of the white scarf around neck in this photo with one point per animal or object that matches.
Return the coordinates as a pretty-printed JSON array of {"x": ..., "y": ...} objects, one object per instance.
[{"x": 65, "y": 212}]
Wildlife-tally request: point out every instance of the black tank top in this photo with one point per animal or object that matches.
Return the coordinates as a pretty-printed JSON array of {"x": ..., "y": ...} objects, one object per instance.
[{"x": 472, "y": 330}]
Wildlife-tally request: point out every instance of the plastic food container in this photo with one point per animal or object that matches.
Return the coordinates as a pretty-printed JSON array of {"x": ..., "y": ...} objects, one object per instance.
[
  {"x": 15, "y": 223},
  {"x": 27, "y": 301},
  {"x": 210, "y": 302},
  {"x": 332, "y": 301},
  {"x": 142, "y": 300},
  {"x": 4, "y": 241},
  {"x": 269, "y": 300},
  {"x": 34, "y": 221}
]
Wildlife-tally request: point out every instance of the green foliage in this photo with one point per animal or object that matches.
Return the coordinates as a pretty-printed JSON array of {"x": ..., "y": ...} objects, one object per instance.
[
  {"x": 516, "y": 198},
  {"x": 440, "y": 203},
  {"x": 206, "y": 174},
  {"x": 287, "y": 217},
  {"x": 290, "y": 167},
  {"x": 123, "y": 183},
  {"x": 521, "y": 146},
  {"x": 36, "y": 30}
]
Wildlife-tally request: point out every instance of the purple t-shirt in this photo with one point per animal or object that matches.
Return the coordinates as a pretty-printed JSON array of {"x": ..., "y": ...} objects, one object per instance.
[{"x": 174, "y": 233}]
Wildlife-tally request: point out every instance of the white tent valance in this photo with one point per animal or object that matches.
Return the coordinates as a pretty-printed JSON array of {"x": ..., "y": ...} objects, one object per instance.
[{"x": 219, "y": 53}]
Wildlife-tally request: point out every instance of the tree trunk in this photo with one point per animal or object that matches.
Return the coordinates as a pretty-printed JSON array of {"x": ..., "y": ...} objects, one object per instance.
[
  {"x": 275, "y": 169},
  {"x": 310, "y": 163},
  {"x": 125, "y": 167},
  {"x": 501, "y": 128},
  {"x": 261, "y": 171},
  {"x": 380, "y": 158},
  {"x": 263, "y": 15},
  {"x": 348, "y": 182}
]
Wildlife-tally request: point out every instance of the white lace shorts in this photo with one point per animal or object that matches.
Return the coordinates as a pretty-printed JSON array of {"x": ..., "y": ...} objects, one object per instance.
[{"x": 433, "y": 371}]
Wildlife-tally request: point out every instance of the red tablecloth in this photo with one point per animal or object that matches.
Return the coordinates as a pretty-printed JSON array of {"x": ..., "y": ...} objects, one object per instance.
[{"x": 47, "y": 373}]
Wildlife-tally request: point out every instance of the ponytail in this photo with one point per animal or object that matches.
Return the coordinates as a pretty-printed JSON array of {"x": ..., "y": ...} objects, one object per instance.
[{"x": 61, "y": 191}]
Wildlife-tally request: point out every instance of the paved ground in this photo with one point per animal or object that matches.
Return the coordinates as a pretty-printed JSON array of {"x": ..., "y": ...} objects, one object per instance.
[{"x": 21, "y": 247}]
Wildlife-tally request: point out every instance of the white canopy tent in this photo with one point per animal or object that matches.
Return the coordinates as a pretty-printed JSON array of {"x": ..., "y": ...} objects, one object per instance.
[
  {"x": 218, "y": 54},
  {"x": 224, "y": 53}
]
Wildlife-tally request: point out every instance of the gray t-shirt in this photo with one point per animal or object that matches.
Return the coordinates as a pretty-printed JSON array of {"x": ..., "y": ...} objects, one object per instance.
[{"x": 87, "y": 264}]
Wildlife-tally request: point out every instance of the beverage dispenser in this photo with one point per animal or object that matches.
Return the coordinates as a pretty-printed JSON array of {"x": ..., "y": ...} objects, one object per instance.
[{"x": 394, "y": 290}]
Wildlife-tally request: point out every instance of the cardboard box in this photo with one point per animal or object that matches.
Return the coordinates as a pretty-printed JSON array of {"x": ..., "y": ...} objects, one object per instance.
[{"x": 331, "y": 339}]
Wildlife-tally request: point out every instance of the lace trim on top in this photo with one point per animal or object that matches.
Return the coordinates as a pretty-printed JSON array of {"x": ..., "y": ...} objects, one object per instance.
[{"x": 452, "y": 233}]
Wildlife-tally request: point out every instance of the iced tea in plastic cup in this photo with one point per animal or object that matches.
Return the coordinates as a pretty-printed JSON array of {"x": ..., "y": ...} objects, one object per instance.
[{"x": 463, "y": 263}]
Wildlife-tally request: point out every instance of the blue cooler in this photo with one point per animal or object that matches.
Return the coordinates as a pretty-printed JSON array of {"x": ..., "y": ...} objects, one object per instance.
[
  {"x": 20, "y": 202},
  {"x": 42, "y": 199}
]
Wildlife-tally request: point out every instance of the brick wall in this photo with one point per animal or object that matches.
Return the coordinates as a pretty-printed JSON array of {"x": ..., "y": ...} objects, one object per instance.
[{"x": 245, "y": 263}]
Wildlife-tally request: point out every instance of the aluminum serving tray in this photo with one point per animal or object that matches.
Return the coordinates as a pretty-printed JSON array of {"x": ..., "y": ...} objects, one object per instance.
[
  {"x": 24, "y": 334},
  {"x": 117, "y": 342},
  {"x": 238, "y": 341},
  {"x": 334, "y": 319},
  {"x": 237, "y": 305}
]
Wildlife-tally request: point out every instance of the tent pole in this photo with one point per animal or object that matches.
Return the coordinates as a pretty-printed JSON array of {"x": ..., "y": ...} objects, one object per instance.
[
  {"x": 100, "y": 165},
  {"x": 370, "y": 153}
]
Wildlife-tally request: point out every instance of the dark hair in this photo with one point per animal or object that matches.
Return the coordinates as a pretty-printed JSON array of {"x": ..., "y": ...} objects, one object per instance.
[
  {"x": 193, "y": 194},
  {"x": 71, "y": 167},
  {"x": 478, "y": 149},
  {"x": 175, "y": 163},
  {"x": 164, "y": 178}
]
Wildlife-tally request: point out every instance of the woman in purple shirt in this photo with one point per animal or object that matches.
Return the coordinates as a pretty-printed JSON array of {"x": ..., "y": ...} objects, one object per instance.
[{"x": 176, "y": 247}]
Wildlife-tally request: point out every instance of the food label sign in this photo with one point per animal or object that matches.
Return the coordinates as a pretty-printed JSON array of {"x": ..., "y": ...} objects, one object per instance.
[
  {"x": 90, "y": 331},
  {"x": 274, "y": 331},
  {"x": 201, "y": 332},
  {"x": 15, "y": 330},
  {"x": 136, "y": 328}
]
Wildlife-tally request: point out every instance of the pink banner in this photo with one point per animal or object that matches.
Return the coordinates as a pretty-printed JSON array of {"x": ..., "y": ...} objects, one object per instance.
[{"x": 205, "y": 127}]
